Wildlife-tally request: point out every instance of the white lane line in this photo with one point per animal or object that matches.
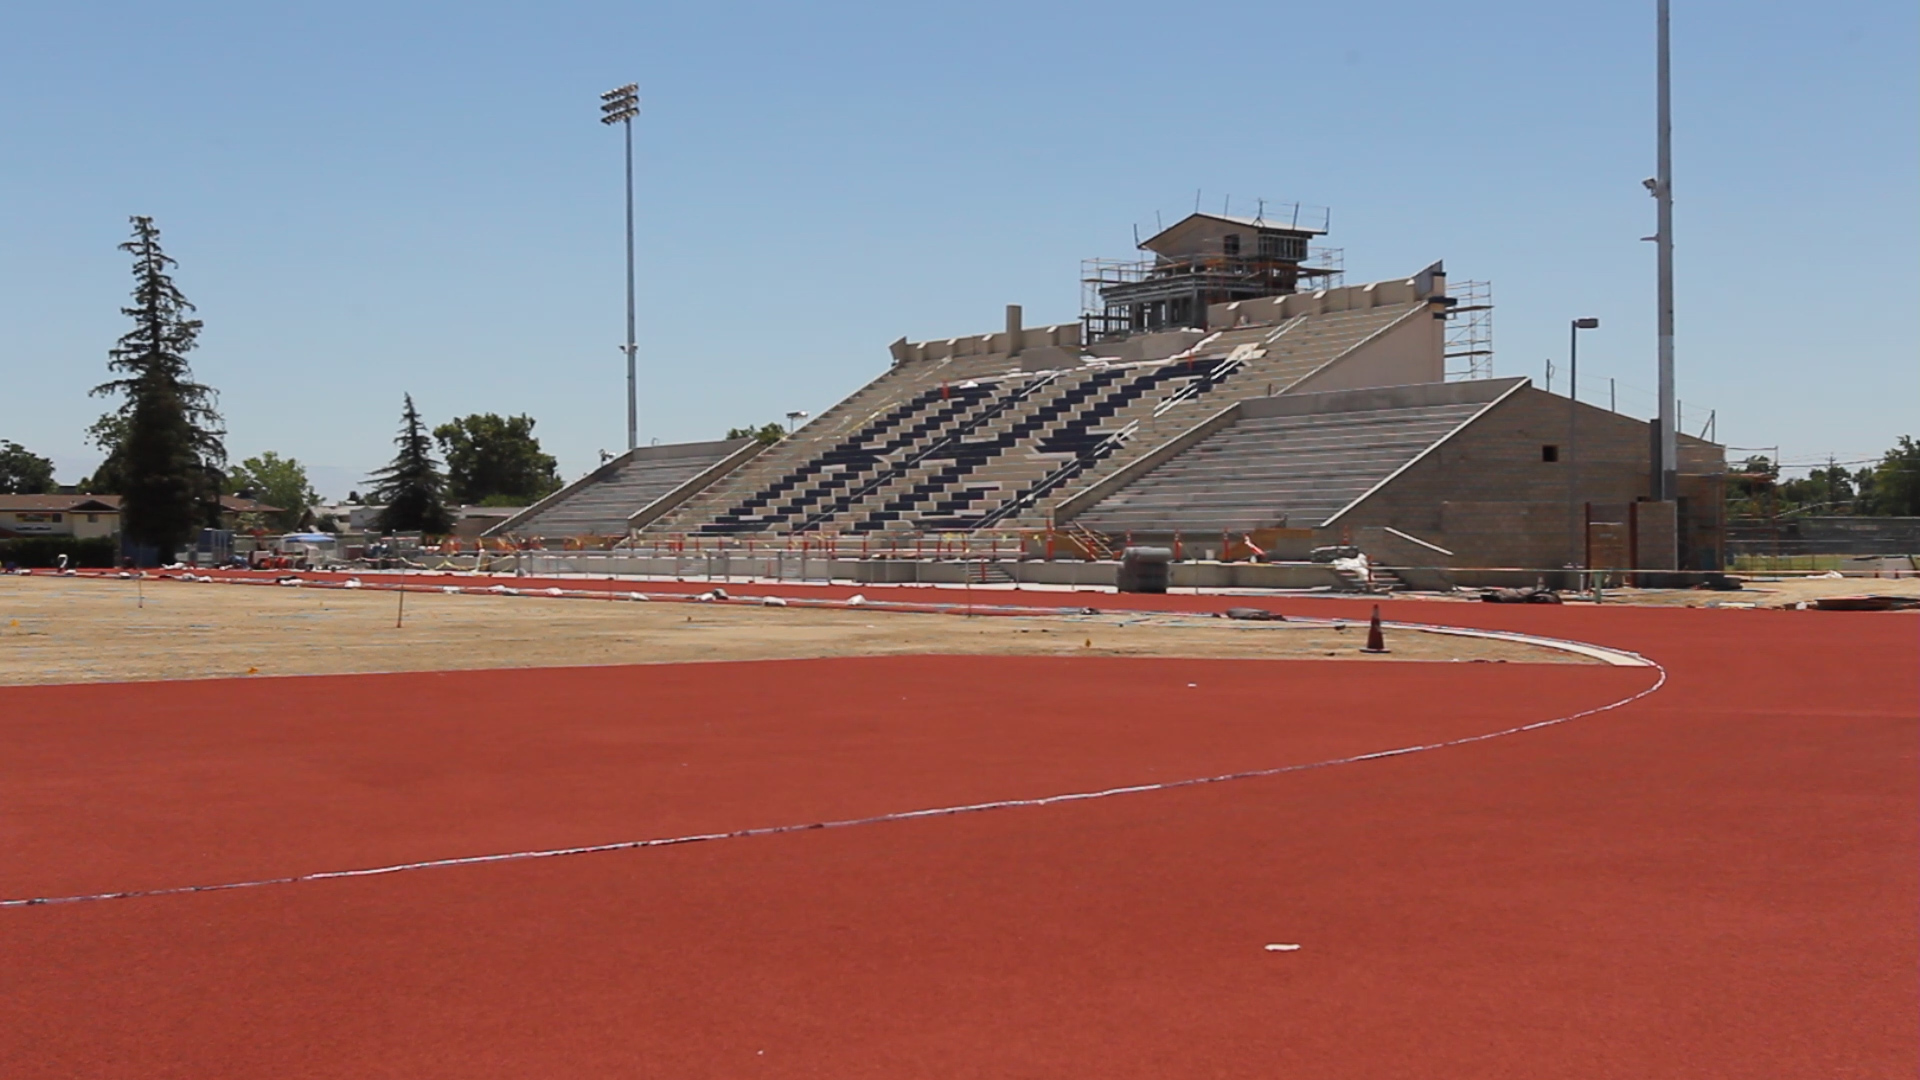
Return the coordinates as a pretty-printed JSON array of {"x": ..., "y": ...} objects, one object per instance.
[{"x": 904, "y": 815}]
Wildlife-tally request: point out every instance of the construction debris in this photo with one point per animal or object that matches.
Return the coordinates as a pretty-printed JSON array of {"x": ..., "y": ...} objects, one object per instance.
[
  {"x": 1254, "y": 614},
  {"x": 1532, "y": 594},
  {"x": 1867, "y": 603}
]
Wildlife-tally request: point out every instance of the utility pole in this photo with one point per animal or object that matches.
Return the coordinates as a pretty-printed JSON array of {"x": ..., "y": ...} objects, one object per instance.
[
  {"x": 1666, "y": 470},
  {"x": 619, "y": 106}
]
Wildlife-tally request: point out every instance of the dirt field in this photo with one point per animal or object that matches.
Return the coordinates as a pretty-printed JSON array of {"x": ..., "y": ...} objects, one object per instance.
[
  {"x": 1761, "y": 592},
  {"x": 59, "y": 630}
]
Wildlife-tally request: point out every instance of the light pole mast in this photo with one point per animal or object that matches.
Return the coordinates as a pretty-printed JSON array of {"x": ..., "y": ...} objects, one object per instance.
[
  {"x": 1576, "y": 527},
  {"x": 620, "y": 106},
  {"x": 1666, "y": 470}
]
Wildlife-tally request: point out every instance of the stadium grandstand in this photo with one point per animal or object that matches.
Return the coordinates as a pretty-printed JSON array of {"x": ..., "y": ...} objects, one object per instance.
[{"x": 1199, "y": 393}]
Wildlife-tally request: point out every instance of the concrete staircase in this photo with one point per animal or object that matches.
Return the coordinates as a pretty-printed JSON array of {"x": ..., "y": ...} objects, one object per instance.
[
  {"x": 1261, "y": 472},
  {"x": 599, "y": 503}
]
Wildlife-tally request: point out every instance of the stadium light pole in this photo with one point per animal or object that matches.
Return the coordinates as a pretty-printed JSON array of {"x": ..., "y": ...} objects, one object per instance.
[
  {"x": 1666, "y": 469},
  {"x": 619, "y": 106},
  {"x": 1575, "y": 550}
]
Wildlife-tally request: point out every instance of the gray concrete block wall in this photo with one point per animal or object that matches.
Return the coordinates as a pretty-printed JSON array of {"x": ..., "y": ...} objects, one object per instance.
[{"x": 1488, "y": 495}]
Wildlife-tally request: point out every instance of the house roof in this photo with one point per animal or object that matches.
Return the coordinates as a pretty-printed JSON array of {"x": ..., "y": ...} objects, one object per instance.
[
  {"x": 1268, "y": 224},
  {"x": 110, "y": 504},
  {"x": 107, "y": 504}
]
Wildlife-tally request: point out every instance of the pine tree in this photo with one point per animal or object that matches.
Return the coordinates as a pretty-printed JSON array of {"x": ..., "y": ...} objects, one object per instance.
[
  {"x": 166, "y": 462},
  {"x": 412, "y": 487}
]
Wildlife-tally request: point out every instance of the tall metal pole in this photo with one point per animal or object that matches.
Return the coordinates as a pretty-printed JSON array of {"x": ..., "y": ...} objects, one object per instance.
[
  {"x": 619, "y": 106},
  {"x": 633, "y": 395},
  {"x": 1666, "y": 470},
  {"x": 1573, "y": 443},
  {"x": 1575, "y": 542}
]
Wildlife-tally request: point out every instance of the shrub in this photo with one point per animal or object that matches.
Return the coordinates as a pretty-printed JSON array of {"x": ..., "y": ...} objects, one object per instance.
[{"x": 94, "y": 552}]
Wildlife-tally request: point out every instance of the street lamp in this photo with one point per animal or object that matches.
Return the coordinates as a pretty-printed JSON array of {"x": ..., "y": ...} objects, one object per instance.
[
  {"x": 1576, "y": 551},
  {"x": 619, "y": 106},
  {"x": 793, "y": 419}
]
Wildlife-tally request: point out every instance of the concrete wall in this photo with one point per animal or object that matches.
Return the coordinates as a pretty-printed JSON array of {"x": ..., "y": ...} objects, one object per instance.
[
  {"x": 1002, "y": 343},
  {"x": 790, "y": 566},
  {"x": 1273, "y": 309},
  {"x": 1412, "y": 351},
  {"x": 1488, "y": 496}
]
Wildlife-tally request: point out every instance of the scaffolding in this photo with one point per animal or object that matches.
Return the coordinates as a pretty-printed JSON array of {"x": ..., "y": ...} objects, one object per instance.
[
  {"x": 1469, "y": 341},
  {"x": 1122, "y": 296}
]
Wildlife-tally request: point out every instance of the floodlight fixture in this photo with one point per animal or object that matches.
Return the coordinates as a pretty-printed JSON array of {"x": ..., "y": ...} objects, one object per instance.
[{"x": 620, "y": 104}]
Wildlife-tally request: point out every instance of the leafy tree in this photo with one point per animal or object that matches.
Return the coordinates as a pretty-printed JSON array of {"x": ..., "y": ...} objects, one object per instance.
[
  {"x": 412, "y": 488},
  {"x": 1895, "y": 486},
  {"x": 495, "y": 460},
  {"x": 167, "y": 448},
  {"x": 768, "y": 434},
  {"x": 1750, "y": 488},
  {"x": 1821, "y": 491},
  {"x": 23, "y": 472},
  {"x": 1866, "y": 496},
  {"x": 276, "y": 481}
]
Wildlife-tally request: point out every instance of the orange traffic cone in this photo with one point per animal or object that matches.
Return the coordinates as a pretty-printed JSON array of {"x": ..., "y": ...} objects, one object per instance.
[{"x": 1376, "y": 641}]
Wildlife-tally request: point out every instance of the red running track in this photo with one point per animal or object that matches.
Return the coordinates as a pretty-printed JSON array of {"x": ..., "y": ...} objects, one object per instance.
[{"x": 1714, "y": 881}]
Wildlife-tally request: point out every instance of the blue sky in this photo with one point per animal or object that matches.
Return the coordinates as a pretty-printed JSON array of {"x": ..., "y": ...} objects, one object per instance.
[{"x": 371, "y": 199}]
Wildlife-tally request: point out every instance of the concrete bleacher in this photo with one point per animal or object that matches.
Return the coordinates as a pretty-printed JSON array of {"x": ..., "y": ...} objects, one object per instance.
[
  {"x": 1234, "y": 365},
  {"x": 978, "y": 433},
  {"x": 600, "y": 503},
  {"x": 1265, "y": 471}
]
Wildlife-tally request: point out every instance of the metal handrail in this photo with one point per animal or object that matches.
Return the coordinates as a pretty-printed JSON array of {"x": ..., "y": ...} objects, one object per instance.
[
  {"x": 899, "y": 468},
  {"x": 1059, "y": 476}
]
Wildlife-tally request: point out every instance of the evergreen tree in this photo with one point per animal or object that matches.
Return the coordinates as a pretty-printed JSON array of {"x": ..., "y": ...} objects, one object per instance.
[
  {"x": 412, "y": 488},
  {"x": 168, "y": 451}
]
